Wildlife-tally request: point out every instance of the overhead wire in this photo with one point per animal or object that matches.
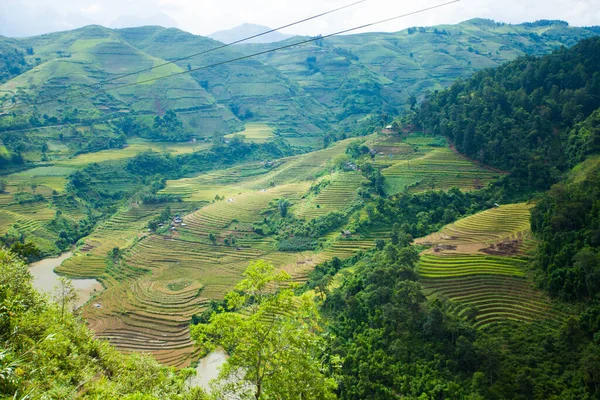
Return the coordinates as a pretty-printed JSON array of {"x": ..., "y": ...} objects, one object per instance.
[
  {"x": 309, "y": 40},
  {"x": 313, "y": 39},
  {"x": 220, "y": 47}
]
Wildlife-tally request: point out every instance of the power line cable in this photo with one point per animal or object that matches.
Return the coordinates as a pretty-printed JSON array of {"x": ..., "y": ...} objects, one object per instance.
[
  {"x": 313, "y": 39},
  {"x": 190, "y": 56}
]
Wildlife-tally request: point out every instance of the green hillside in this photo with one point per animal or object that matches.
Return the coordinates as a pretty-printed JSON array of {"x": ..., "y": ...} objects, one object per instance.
[
  {"x": 87, "y": 56},
  {"x": 251, "y": 90},
  {"x": 357, "y": 74},
  {"x": 303, "y": 91}
]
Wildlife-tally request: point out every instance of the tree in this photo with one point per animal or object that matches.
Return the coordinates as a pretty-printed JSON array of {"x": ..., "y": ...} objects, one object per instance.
[
  {"x": 273, "y": 349},
  {"x": 64, "y": 294},
  {"x": 115, "y": 254},
  {"x": 283, "y": 205},
  {"x": 217, "y": 140},
  {"x": 2, "y": 186},
  {"x": 28, "y": 251}
]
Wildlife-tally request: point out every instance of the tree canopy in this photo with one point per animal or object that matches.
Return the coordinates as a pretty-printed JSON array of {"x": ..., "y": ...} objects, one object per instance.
[{"x": 272, "y": 340}]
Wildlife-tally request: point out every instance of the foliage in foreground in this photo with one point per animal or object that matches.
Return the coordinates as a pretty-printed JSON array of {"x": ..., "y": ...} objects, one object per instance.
[
  {"x": 394, "y": 343},
  {"x": 271, "y": 338},
  {"x": 46, "y": 353}
]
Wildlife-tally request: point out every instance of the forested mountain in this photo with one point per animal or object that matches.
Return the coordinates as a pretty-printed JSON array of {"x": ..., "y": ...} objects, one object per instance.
[{"x": 534, "y": 117}]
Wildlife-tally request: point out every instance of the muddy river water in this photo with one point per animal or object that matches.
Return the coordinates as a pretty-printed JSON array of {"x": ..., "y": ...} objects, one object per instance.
[
  {"x": 208, "y": 369},
  {"x": 44, "y": 278}
]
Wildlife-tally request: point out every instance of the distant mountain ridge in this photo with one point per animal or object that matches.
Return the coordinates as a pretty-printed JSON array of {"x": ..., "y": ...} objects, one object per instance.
[{"x": 246, "y": 30}]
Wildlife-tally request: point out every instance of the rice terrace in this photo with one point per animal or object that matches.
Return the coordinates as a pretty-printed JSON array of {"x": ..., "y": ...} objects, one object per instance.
[{"x": 162, "y": 279}]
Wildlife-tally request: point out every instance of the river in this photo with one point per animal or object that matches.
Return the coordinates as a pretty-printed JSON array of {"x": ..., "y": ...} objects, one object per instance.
[
  {"x": 208, "y": 369},
  {"x": 44, "y": 278}
]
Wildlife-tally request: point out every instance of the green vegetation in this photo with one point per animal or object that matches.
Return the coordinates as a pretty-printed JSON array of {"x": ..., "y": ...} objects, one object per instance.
[
  {"x": 393, "y": 341},
  {"x": 528, "y": 116},
  {"x": 566, "y": 221},
  {"x": 12, "y": 60},
  {"x": 48, "y": 352},
  {"x": 165, "y": 192},
  {"x": 357, "y": 75},
  {"x": 271, "y": 339},
  {"x": 291, "y": 212}
]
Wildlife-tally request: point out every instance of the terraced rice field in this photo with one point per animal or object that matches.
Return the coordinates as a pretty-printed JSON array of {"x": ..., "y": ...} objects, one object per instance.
[
  {"x": 507, "y": 222},
  {"x": 48, "y": 179},
  {"x": 497, "y": 298},
  {"x": 163, "y": 279},
  {"x": 144, "y": 306},
  {"x": 141, "y": 308},
  {"x": 339, "y": 194},
  {"x": 136, "y": 146},
  {"x": 437, "y": 168},
  {"x": 256, "y": 132},
  {"x": 151, "y": 311},
  {"x": 479, "y": 263},
  {"x": 255, "y": 176}
]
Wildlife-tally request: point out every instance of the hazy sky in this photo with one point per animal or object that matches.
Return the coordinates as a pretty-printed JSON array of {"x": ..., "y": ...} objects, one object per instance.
[{"x": 32, "y": 17}]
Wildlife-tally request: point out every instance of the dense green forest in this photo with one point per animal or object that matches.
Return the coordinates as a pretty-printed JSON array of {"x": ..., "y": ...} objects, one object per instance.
[{"x": 534, "y": 117}]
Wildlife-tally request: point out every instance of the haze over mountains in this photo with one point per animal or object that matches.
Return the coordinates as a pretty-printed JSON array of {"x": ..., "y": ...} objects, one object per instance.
[{"x": 246, "y": 30}]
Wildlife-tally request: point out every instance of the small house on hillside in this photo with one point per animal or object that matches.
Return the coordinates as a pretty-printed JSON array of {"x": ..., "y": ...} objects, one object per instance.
[
  {"x": 346, "y": 233},
  {"x": 390, "y": 129}
]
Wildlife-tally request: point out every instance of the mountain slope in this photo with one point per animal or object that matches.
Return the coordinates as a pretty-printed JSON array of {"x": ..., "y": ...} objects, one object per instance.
[
  {"x": 296, "y": 92},
  {"x": 389, "y": 68},
  {"x": 87, "y": 56},
  {"x": 247, "y": 87},
  {"x": 534, "y": 116}
]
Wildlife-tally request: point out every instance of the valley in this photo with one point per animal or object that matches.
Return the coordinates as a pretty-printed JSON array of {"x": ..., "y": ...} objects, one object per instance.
[
  {"x": 408, "y": 214},
  {"x": 161, "y": 279}
]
